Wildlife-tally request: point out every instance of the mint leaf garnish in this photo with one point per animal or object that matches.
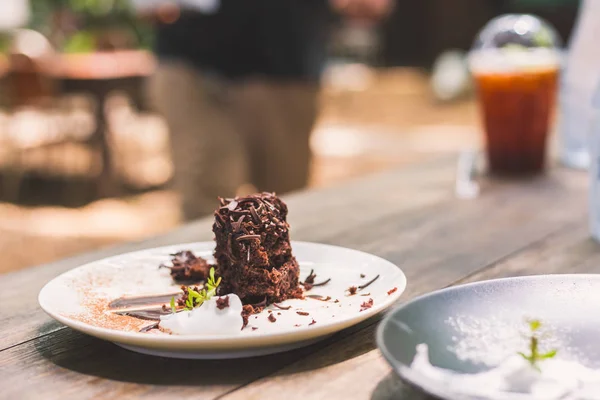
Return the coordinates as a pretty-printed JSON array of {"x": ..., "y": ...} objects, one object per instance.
[
  {"x": 534, "y": 356},
  {"x": 197, "y": 298}
]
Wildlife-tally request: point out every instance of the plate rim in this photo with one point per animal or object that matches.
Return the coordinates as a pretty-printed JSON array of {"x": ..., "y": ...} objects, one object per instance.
[
  {"x": 227, "y": 342},
  {"x": 400, "y": 368}
]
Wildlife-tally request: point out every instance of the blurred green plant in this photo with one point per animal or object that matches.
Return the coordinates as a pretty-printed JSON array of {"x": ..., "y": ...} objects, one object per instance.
[
  {"x": 5, "y": 41},
  {"x": 77, "y": 26},
  {"x": 80, "y": 42},
  {"x": 99, "y": 7}
]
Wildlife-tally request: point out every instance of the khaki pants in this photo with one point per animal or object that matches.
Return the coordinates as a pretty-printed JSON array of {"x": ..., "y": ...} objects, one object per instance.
[{"x": 225, "y": 135}]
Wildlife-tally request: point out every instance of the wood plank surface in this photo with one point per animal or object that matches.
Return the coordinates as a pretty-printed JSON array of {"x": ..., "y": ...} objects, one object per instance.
[{"x": 409, "y": 217}]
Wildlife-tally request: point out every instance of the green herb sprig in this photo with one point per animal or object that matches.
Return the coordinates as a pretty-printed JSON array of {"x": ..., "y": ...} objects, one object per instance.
[
  {"x": 173, "y": 306},
  {"x": 197, "y": 298},
  {"x": 534, "y": 356}
]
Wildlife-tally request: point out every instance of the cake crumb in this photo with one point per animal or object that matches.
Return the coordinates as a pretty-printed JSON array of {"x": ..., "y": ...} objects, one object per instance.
[
  {"x": 302, "y": 313},
  {"x": 366, "y": 305},
  {"x": 185, "y": 267},
  {"x": 223, "y": 302},
  {"x": 272, "y": 318}
]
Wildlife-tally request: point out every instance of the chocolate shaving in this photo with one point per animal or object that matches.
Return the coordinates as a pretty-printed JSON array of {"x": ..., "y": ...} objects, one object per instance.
[
  {"x": 246, "y": 237},
  {"x": 261, "y": 304},
  {"x": 149, "y": 327},
  {"x": 272, "y": 318},
  {"x": 366, "y": 305},
  {"x": 311, "y": 277},
  {"x": 230, "y": 248},
  {"x": 148, "y": 315},
  {"x": 223, "y": 302},
  {"x": 281, "y": 307},
  {"x": 362, "y": 275},
  {"x": 239, "y": 212},
  {"x": 322, "y": 283},
  {"x": 366, "y": 294},
  {"x": 238, "y": 224},
  {"x": 312, "y": 322},
  {"x": 248, "y": 199},
  {"x": 254, "y": 328},
  {"x": 352, "y": 290},
  {"x": 254, "y": 214},
  {"x": 336, "y": 301},
  {"x": 309, "y": 282},
  {"x": 319, "y": 297},
  {"x": 232, "y": 205},
  {"x": 392, "y": 290},
  {"x": 361, "y": 287},
  {"x": 302, "y": 313},
  {"x": 297, "y": 325},
  {"x": 220, "y": 218}
]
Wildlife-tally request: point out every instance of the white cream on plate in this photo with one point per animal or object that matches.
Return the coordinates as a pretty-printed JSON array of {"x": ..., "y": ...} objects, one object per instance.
[
  {"x": 515, "y": 378},
  {"x": 207, "y": 319}
]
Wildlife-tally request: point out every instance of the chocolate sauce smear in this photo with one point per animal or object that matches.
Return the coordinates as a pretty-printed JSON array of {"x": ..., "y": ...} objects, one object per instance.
[
  {"x": 148, "y": 308},
  {"x": 149, "y": 328},
  {"x": 150, "y": 314},
  {"x": 141, "y": 301}
]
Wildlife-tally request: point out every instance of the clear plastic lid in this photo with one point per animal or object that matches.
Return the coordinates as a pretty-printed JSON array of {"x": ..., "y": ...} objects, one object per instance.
[{"x": 515, "y": 43}]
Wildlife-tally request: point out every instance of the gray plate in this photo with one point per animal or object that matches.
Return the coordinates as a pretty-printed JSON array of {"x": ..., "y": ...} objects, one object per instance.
[{"x": 466, "y": 324}]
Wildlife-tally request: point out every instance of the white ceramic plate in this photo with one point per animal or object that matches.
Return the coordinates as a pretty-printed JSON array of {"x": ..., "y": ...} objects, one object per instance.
[{"x": 79, "y": 299}]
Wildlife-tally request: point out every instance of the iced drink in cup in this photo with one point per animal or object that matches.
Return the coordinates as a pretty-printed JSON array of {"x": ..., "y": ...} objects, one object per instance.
[{"x": 515, "y": 63}]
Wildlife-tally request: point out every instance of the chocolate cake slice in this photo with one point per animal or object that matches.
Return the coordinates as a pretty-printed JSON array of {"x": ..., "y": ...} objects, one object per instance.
[{"x": 253, "y": 251}]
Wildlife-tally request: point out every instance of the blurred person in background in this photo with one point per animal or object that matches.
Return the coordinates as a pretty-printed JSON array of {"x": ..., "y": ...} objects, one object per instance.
[{"x": 238, "y": 84}]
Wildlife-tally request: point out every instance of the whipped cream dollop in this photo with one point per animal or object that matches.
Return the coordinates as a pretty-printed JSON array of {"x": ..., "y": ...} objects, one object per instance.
[
  {"x": 515, "y": 378},
  {"x": 207, "y": 319}
]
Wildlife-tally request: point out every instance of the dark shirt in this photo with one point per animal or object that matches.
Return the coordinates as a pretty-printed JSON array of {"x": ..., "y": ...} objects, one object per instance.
[{"x": 279, "y": 39}]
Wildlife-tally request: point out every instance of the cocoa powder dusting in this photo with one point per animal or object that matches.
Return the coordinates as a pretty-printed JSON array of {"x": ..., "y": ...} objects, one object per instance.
[{"x": 96, "y": 314}]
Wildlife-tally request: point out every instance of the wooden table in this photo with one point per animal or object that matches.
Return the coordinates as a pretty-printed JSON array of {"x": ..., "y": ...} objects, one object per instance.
[{"x": 410, "y": 217}]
